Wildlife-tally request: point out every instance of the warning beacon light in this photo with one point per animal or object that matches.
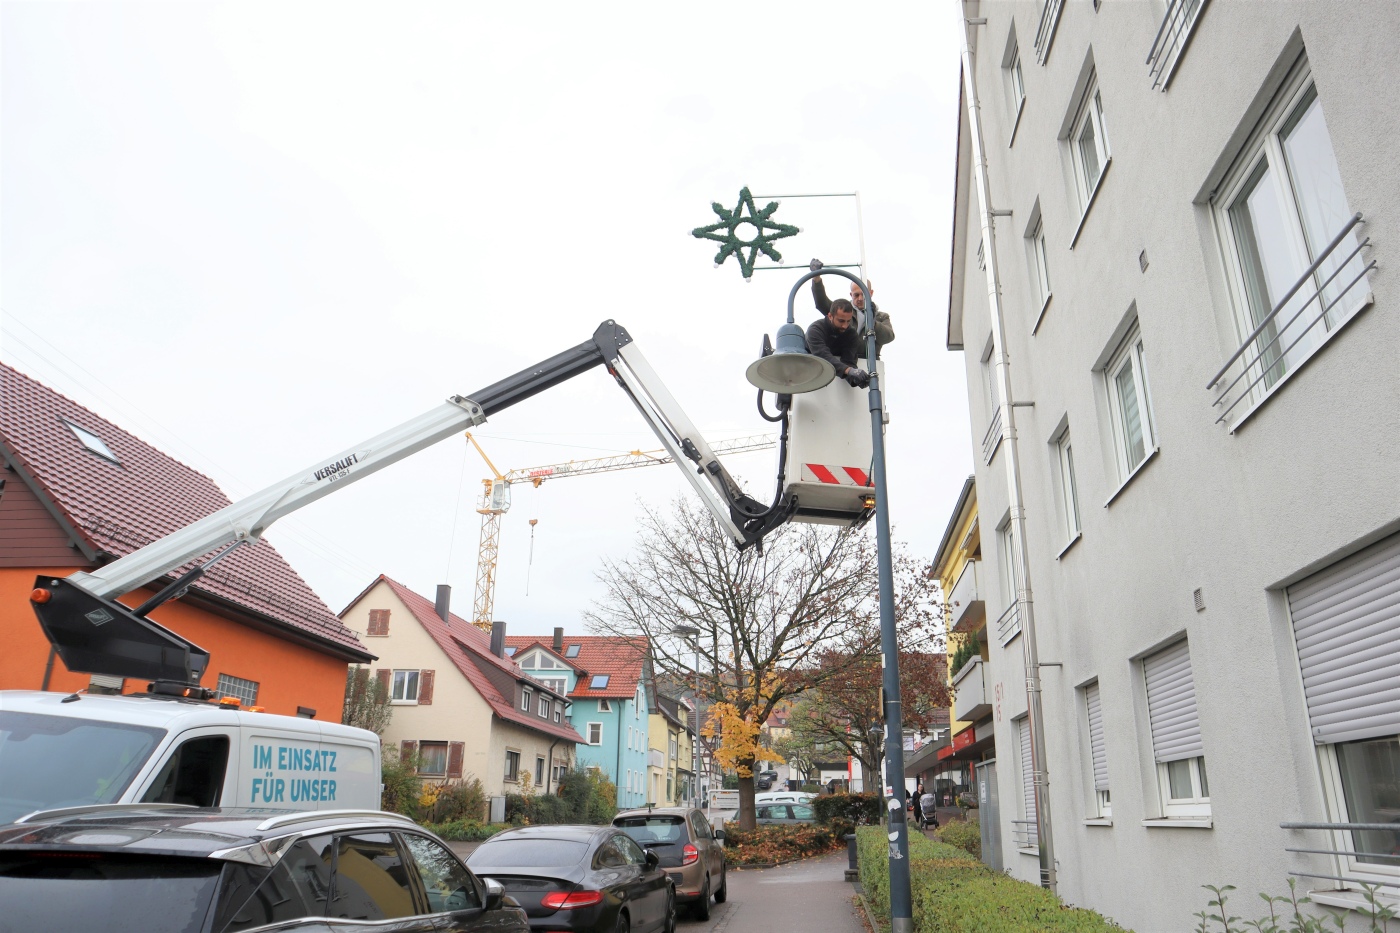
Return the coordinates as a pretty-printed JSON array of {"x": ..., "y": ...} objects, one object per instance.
[{"x": 789, "y": 369}]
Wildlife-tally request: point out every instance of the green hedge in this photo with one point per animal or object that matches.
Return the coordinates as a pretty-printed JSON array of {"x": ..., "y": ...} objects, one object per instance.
[
  {"x": 465, "y": 830},
  {"x": 859, "y": 809},
  {"x": 966, "y": 836},
  {"x": 954, "y": 893}
]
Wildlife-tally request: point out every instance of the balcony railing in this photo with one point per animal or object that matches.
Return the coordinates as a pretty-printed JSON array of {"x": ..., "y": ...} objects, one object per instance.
[
  {"x": 992, "y": 439},
  {"x": 1267, "y": 356},
  {"x": 965, "y": 602},
  {"x": 1026, "y": 834},
  {"x": 1171, "y": 39},
  {"x": 1009, "y": 624},
  {"x": 1045, "y": 30},
  {"x": 1349, "y": 855},
  {"x": 970, "y": 692}
]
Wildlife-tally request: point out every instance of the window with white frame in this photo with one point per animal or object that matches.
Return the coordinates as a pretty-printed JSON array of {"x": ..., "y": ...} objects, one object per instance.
[
  {"x": 1069, "y": 483},
  {"x": 543, "y": 707},
  {"x": 557, "y": 684},
  {"x": 595, "y": 733},
  {"x": 512, "y": 766},
  {"x": 1130, "y": 405},
  {"x": 525, "y": 697},
  {"x": 605, "y": 706},
  {"x": 1278, "y": 211},
  {"x": 539, "y": 771},
  {"x": 1098, "y": 753},
  {"x": 1027, "y": 836},
  {"x": 1176, "y": 733},
  {"x": 1088, "y": 144},
  {"x": 405, "y": 687},
  {"x": 1006, "y": 559},
  {"x": 558, "y": 712},
  {"x": 1040, "y": 261},
  {"x": 1172, "y": 35},
  {"x": 1015, "y": 80},
  {"x": 1346, "y": 625}
]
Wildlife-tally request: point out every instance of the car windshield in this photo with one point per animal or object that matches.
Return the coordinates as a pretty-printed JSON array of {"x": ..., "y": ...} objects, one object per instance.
[
  {"x": 527, "y": 853},
  {"x": 48, "y": 762},
  {"x": 112, "y": 893},
  {"x": 655, "y": 830}
]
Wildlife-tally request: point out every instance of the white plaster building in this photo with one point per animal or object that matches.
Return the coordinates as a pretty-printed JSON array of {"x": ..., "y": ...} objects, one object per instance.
[{"x": 1211, "y": 489}]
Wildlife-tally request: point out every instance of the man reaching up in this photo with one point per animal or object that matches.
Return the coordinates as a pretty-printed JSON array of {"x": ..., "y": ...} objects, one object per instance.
[{"x": 834, "y": 339}]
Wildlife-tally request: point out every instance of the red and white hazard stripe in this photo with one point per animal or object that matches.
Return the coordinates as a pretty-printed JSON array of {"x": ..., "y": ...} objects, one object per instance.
[{"x": 838, "y": 475}]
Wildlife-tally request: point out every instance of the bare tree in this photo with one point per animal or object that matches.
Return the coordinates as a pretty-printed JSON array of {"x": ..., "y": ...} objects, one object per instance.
[
  {"x": 773, "y": 623},
  {"x": 367, "y": 702}
]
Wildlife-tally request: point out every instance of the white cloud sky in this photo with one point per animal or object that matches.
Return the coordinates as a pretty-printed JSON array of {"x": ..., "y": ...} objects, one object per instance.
[{"x": 255, "y": 234}]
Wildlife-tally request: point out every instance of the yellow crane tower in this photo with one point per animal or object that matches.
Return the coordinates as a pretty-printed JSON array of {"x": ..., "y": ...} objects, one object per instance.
[{"x": 495, "y": 501}]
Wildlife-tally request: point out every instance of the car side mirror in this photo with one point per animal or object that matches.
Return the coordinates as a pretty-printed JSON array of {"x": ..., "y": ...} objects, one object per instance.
[
  {"x": 495, "y": 894},
  {"x": 720, "y": 835},
  {"x": 652, "y": 859}
]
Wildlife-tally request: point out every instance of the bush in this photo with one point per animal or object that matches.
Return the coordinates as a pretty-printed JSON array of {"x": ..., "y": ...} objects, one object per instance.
[
  {"x": 539, "y": 808},
  {"x": 966, "y": 836},
  {"x": 766, "y": 844},
  {"x": 953, "y": 893},
  {"x": 810, "y": 788},
  {"x": 465, "y": 830},
  {"x": 402, "y": 785},
  {"x": 453, "y": 801},
  {"x": 858, "y": 809},
  {"x": 591, "y": 797}
]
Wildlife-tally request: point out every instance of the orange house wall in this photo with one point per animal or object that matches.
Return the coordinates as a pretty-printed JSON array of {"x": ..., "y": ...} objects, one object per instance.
[{"x": 288, "y": 674}]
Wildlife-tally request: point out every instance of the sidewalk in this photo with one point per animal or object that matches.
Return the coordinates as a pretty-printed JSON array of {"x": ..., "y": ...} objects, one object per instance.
[{"x": 802, "y": 897}]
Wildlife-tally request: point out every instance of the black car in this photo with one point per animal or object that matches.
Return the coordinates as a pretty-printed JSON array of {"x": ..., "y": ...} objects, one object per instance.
[
  {"x": 588, "y": 879},
  {"x": 163, "y": 868}
]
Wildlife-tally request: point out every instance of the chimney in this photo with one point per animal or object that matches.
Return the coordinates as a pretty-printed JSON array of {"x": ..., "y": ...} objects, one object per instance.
[
  {"x": 498, "y": 638},
  {"x": 558, "y": 640},
  {"x": 444, "y": 601}
]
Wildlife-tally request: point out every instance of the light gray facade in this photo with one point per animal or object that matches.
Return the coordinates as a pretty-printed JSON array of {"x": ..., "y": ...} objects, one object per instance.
[{"x": 1214, "y": 193}]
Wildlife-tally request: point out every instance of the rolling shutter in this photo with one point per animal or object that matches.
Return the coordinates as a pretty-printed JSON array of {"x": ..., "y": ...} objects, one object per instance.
[
  {"x": 1346, "y": 620},
  {"x": 1096, "y": 746},
  {"x": 1028, "y": 779},
  {"x": 1171, "y": 704}
]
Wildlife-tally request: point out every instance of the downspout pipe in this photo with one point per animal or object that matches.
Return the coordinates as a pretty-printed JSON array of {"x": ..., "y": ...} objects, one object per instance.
[{"x": 1011, "y": 459}]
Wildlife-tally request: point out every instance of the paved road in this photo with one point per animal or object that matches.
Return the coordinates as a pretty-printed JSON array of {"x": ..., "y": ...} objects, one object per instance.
[{"x": 802, "y": 897}]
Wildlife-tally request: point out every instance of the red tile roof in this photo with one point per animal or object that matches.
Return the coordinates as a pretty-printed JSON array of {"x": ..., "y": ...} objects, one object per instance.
[
  {"x": 116, "y": 508},
  {"x": 621, "y": 658},
  {"x": 469, "y": 647}
]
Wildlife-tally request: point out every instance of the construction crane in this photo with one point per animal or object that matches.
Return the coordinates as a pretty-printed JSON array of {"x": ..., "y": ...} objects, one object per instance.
[{"x": 495, "y": 501}]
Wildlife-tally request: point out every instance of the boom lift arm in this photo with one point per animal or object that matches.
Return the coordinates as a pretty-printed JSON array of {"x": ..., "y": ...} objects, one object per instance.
[{"x": 134, "y": 646}]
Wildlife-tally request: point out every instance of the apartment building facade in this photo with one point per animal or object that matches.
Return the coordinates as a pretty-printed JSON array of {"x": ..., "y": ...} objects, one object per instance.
[{"x": 1189, "y": 207}]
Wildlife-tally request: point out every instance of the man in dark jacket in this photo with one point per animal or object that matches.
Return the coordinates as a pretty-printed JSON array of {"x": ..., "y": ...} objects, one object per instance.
[
  {"x": 884, "y": 330},
  {"x": 834, "y": 339}
]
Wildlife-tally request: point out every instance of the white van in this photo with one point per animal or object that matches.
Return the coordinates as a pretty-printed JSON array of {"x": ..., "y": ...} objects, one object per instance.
[
  {"x": 68, "y": 750},
  {"x": 784, "y": 796}
]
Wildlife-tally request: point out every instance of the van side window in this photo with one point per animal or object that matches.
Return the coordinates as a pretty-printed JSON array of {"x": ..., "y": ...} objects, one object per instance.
[{"x": 194, "y": 774}]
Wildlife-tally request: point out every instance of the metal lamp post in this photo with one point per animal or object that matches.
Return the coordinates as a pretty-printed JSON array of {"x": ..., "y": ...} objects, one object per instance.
[
  {"x": 789, "y": 366},
  {"x": 692, "y": 633}
]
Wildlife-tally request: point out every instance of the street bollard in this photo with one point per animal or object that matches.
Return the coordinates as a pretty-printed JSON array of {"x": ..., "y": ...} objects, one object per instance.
[{"x": 852, "y": 871}]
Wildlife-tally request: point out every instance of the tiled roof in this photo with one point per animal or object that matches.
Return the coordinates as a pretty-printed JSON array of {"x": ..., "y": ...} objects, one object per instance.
[
  {"x": 621, "y": 658},
  {"x": 116, "y": 508},
  {"x": 468, "y": 647}
]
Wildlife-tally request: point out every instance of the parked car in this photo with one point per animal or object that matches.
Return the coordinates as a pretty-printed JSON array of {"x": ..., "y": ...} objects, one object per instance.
[
  {"x": 785, "y": 796},
  {"x": 784, "y": 814},
  {"x": 691, "y": 851},
  {"x": 167, "y": 868},
  {"x": 587, "y": 879},
  {"x": 765, "y": 779}
]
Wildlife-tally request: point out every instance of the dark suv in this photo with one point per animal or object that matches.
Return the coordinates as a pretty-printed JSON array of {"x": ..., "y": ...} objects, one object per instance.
[
  {"x": 154, "y": 868},
  {"x": 689, "y": 849}
]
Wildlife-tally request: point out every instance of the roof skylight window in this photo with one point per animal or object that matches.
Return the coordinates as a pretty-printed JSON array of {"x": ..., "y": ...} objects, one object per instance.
[
  {"x": 599, "y": 682},
  {"x": 92, "y": 442},
  {"x": 572, "y": 652}
]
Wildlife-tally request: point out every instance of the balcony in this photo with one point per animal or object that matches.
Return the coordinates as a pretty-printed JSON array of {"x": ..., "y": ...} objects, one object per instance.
[
  {"x": 1289, "y": 335},
  {"x": 968, "y": 609},
  {"x": 656, "y": 758},
  {"x": 1008, "y": 624},
  {"x": 970, "y": 701}
]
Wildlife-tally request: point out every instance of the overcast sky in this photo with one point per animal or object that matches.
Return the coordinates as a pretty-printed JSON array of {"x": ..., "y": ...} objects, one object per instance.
[{"x": 255, "y": 234}]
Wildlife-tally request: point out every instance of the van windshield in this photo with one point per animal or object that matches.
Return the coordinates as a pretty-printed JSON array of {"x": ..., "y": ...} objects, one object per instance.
[{"x": 47, "y": 762}]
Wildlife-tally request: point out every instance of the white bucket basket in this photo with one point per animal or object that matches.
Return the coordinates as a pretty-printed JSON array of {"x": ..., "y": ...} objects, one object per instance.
[{"x": 829, "y": 454}]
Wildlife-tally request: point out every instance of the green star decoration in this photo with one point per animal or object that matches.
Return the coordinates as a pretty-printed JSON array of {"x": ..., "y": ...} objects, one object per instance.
[{"x": 725, "y": 232}]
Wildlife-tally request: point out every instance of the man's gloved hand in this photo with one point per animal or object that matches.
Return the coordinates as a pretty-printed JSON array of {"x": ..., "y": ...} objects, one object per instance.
[{"x": 857, "y": 378}]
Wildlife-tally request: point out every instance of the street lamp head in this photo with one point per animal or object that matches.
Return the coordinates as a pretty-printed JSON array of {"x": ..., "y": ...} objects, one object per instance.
[
  {"x": 790, "y": 369},
  {"x": 686, "y": 631}
]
